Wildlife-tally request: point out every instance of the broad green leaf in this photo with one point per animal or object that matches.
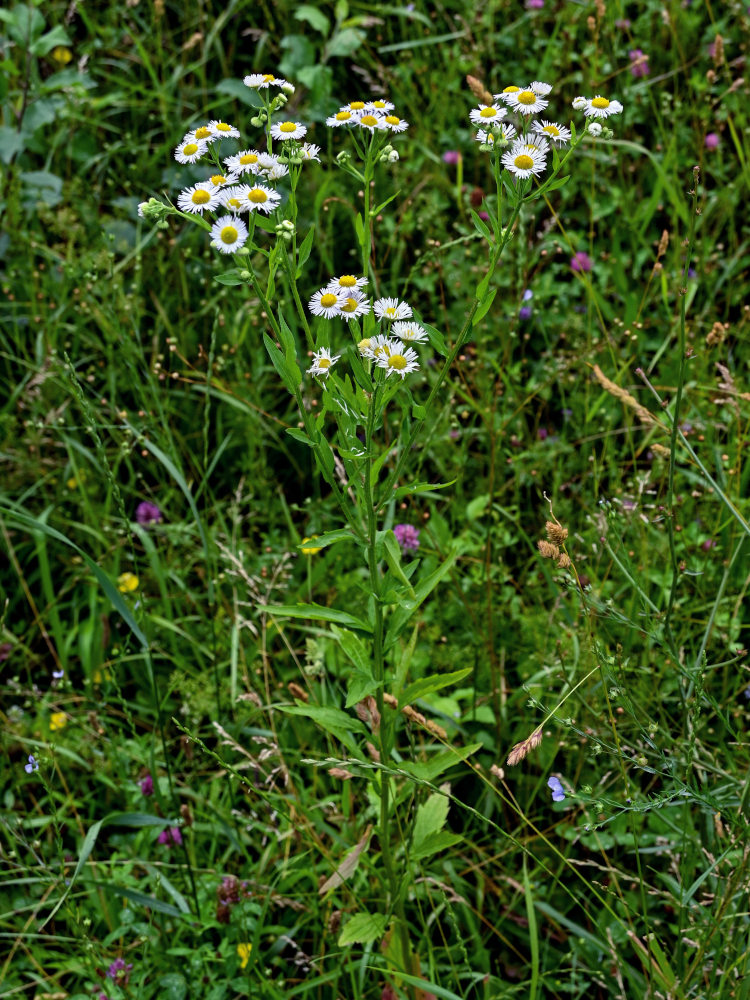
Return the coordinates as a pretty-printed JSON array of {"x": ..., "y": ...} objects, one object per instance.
[
  {"x": 363, "y": 928},
  {"x": 418, "y": 411},
  {"x": 57, "y": 36},
  {"x": 434, "y": 843},
  {"x": 173, "y": 986},
  {"x": 407, "y": 491},
  {"x": 427, "y": 685},
  {"x": 480, "y": 226},
  {"x": 314, "y": 17},
  {"x": 423, "y": 589},
  {"x": 316, "y": 612},
  {"x": 354, "y": 648},
  {"x": 234, "y": 87},
  {"x": 11, "y": 143},
  {"x": 229, "y": 277},
  {"x": 332, "y": 720},
  {"x": 345, "y": 42},
  {"x": 430, "y": 769},
  {"x": 360, "y": 685},
  {"x": 392, "y": 552},
  {"x": 299, "y": 435},
  {"x": 484, "y": 307},
  {"x": 430, "y": 818},
  {"x": 328, "y": 538},
  {"x": 482, "y": 287}
]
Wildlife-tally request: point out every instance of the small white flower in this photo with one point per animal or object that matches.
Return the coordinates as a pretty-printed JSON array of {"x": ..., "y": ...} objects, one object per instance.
[
  {"x": 245, "y": 162},
  {"x": 393, "y": 156},
  {"x": 595, "y": 129},
  {"x": 507, "y": 92},
  {"x": 486, "y": 114},
  {"x": 198, "y": 198},
  {"x": 141, "y": 206},
  {"x": 309, "y": 151},
  {"x": 190, "y": 152},
  {"x": 229, "y": 233},
  {"x": 263, "y": 198},
  {"x": 391, "y": 309},
  {"x": 222, "y": 180},
  {"x": 261, "y": 81},
  {"x": 579, "y": 103},
  {"x": 524, "y": 159},
  {"x": 355, "y": 106},
  {"x": 342, "y": 118},
  {"x": 288, "y": 130},
  {"x": 345, "y": 284},
  {"x": 526, "y": 102},
  {"x": 354, "y": 304},
  {"x": 371, "y": 122},
  {"x": 325, "y": 303},
  {"x": 542, "y": 89},
  {"x": 376, "y": 347},
  {"x": 600, "y": 107},
  {"x": 276, "y": 172},
  {"x": 503, "y": 130},
  {"x": 400, "y": 360},
  {"x": 557, "y": 133},
  {"x": 201, "y": 134},
  {"x": 234, "y": 198},
  {"x": 380, "y": 105},
  {"x": 534, "y": 142},
  {"x": 220, "y": 130},
  {"x": 410, "y": 333},
  {"x": 396, "y": 124},
  {"x": 323, "y": 361}
]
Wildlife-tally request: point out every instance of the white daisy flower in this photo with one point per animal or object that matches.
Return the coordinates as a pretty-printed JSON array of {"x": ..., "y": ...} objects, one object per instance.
[
  {"x": 245, "y": 162},
  {"x": 323, "y": 361},
  {"x": 190, "y": 152},
  {"x": 355, "y": 106},
  {"x": 409, "y": 333},
  {"x": 507, "y": 92},
  {"x": 600, "y": 107},
  {"x": 198, "y": 198},
  {"x": 371, "y": 122},
  {"x": 486, "y": 114},
  {"x": 376, "y": 347},
  {"x": 380, "y": 105},
  {"x": 504, "y": 130},
  {"x": 526, "y": 102},
  {"x": 261, "y": 81},
  {"x": 203, "y": 133},
  {"x": 222, "y": 180},
  {"x": 288, "y": 130},
  {"x": 534, "y": 142},
  {"x": 220, "y": 130},
  {"x": 229, "y": 233},
  {"x": 263, "y": 198},
  {"x": 400, "y": 360},
  {"x": 234, "y": 198},
  {"x": 391, "y": 309},
  {"x": 345, "y": 284},
  {"x": 354, "y": 304},
  {"x": 542, "y": 89},
  {"x": 557, "y": 133},
  {"x": 325, "y": 303},
  {"x": 342, "y": 118},
  {"x": 309, "y": 151},
  {"x": 396, "y": 124},
  {"x": 524, "y": 159},
  {"x": 579, "y": 103},
  {"x": 276, "y": 172}
]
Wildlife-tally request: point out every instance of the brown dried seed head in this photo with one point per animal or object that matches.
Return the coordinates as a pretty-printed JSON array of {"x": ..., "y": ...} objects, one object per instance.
[
  {"x": 556, "y": 533},
  {"x": 547, "y": 550},
  {"x": 564, "y": 561},
  {"x": 340, "y": 772},
  {"x": 718, "y": 51},
  {"x": 479, "y": 90},
  {"x": 297, "y": 692},
  {"x": 716, "y": 335},
  {"x": 522, "y": 749},
  {"x": 436, "y": 730},
  {"x": 663, "y": 244}
]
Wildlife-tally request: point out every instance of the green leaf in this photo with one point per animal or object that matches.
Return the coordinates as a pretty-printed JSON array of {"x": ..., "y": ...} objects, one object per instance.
[
  {"x": 354, "y": 648},
  {"x": 483, "y": 286},
  {"x": 173, "y": 986},
  {"x": 359, "y": 229},
  {"x": 392, "y": 551},
  {"x": 235, "y": 88},
  {"x": 363, "y": 928},
  {"x": 480, "y": 226},
  {"x": 316, "y": 612},
  {"x": 407, "y": 491},
  {"x": 434, "y": 843},
  {"x": 333, "y": 720},
  {"x": 57, "y": 36},
  {"x": 11, "y": 142},
  {"x": 134, "y": 819},
  {"x": 345, "y": 42},
  {"x": 280, "y": 364},
  {"x": 304, "y": 251},
  {"x": 428, "y": 685},
  {"x": 430, "y": 818},
  {"x": 360, "y": 685},
  {"x": 314, "y": 17},
  {"x": 229, "y": 277},
  {"x": 430, "y": 769},
  {"x": 418, "y": 411},
  {"x": 484, "y": 307},
  {"x": 423, "y": 589},
  {"x": 299, "y": 435},
  {"x": 328, "y": 538},
  {"x": 86, "y": 848},
  {"x": 141, "y": 899}
]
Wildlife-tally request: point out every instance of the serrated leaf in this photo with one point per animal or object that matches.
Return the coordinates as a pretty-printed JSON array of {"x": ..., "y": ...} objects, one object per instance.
[
  {"x": 434, "y": 843},
  {"x": 428, "y": 685},
  {"x": 363, "y": 928}
]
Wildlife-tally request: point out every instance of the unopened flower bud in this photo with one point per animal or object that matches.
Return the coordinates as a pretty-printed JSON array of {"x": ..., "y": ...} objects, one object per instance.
[
  {"x": 595, "y": 128},
  {"x": 344, "y": 156},
  {"x": 393, "y": 156},
  {"x": 288, "y": 88}
]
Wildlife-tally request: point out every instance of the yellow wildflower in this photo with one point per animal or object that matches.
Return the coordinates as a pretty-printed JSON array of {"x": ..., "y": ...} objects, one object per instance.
[
  {"x": 58, "y": 720},
  {"x": 243, "y": 950},
  {"x": 127, "y": 583},
  {"x": 311, "y": 550}
]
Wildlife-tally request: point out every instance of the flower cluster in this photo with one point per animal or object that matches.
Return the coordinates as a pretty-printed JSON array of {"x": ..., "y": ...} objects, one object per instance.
[
  {"x": 370, "y": 116},
  {"x": 527, "y": 143}
]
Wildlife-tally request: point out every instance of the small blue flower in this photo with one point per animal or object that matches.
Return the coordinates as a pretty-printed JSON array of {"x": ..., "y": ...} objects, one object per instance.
[
  {"x": 33, "y": 764},
  {"x": 558, "y": 792},
  {"x": 58, "y": 674}
]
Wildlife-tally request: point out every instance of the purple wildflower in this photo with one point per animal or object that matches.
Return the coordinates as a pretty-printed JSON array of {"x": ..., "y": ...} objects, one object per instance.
[
  {"x": 485, "y": 216},
  {"x": 407, "y": 537},
  {"x": 711, "y": 141},
  {"x": 623, "y": 23},
  {"x": 170, "y": 836},
  {"x": 147, "y": 785},
  {"x": 119, "y": 970},
  {"x": 558, "y": 792},
  {"x": 524, "y": 312},
  {"x": 451, "y": 156},
  {"x": 638, "y": 62},
  {"x": 147, "y": 513},
  {"x": 534, "y": 4},
  {"x": 581, "y": 261},
  {"x": 33, "y": 764},
  {"x": 5, "y": 651}
]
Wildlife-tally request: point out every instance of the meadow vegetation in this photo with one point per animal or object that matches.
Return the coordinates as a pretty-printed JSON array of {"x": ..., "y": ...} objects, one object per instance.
[{"x": 337, "y": 668}]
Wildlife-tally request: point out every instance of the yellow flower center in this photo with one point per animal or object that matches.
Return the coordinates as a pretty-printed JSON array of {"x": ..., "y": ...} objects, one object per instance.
[
  {"x": 369, "y": 120},
  {"x": 190, "y": 148},
  {"x": 223, "y": 127},
  {"x": 397, "y": 361},
  {"x": 234, "y": 203},
  {"x": 488, "y": 113},
  {"x": 343, "y": 116},
  {"x": 324, "y": 362},
  {"x": 328, "y": 300},
  {"x": 390, "y": 310},
  {"x": 200, "y": 197},
  {"x": 203, "y": 132},
  {"x": 229, "y": 235},
  {"x": 364, "y": 345},
  {"x": 511, "y": 90},
  {"x": 524, "y": 162},
  {"x": 287, "y": 127},
  {"x": 527, "y": 97},
  {"x": 381, "y": 350},
  {"x": 357, "y": 105},
  {"x": 218, "y": 179},
  {"x": 551, "y": 129},
  {"x": 378, "y": 104},
  {"x": 248, "y": 158},
  {"x": 392, "y": 120},
  {"x": 268, "y": 77},
  {"x": 600, "y": 102},
  {"x": 407, "y": 334},
  {"x": 257, "y": 196},
  {"x": 350, "y": 306},
  {"x": 347, "y": 281},
  {"x": 61, "y": 55}
]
